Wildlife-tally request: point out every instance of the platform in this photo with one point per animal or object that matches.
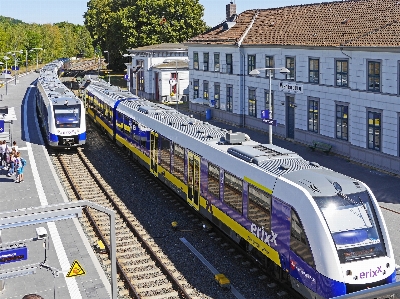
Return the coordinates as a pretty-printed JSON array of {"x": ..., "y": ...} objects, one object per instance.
[{"x": 41, "y": 187}]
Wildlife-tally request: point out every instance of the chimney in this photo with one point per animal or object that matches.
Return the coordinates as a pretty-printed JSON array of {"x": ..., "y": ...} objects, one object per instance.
[{"x": 230, "y": 10}]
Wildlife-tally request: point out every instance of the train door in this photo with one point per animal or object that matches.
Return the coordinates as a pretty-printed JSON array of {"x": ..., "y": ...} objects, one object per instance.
[
  {"x": 193, "y": 180},
  {"x": 153, "y": 152}
]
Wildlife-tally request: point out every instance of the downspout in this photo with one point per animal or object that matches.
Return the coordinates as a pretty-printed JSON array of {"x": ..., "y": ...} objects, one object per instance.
[{"x": 242, "y": 72}]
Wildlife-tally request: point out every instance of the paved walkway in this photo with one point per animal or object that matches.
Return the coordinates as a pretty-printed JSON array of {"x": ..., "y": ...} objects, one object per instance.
[{"x": 41, "y": 187}]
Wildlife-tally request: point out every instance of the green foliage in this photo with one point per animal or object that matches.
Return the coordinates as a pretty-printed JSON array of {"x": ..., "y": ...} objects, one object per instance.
[
  {"x": 57, "y": 40},
  {"x": 118, "y": 25}
]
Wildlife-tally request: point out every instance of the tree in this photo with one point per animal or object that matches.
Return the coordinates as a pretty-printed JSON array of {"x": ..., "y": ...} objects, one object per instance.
[{"x": 117, "y": 25}]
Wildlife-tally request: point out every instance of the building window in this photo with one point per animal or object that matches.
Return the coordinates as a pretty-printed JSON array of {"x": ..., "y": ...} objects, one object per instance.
[
  {"x": 374, "y": 130},
  {"x": 229, "y": 64},
  {"x": 269, "y": 63},
  {"x": 216, "y": 62},
  {"x": 205, "y": 61},
  {"x": 290, "y": 65},
  {"x": 195, "y": 89},
  {"x": 251, "y": 63},
  {"x": 266, "y": 96},
  {"x": 229, "y": 98},
  {"x": 205, "y": 90},
  {"x": 342, "y": 73},
  {"x": 342, "y": 121},
  {"x": 195, "y": 60},
  {"x": 313, "y": 114},
  {"x": 216, "y": 94},
  {"x": 313, "y": 70},
  {"x": 374, "y": 76},
  {"x": 252, "y": 102}
]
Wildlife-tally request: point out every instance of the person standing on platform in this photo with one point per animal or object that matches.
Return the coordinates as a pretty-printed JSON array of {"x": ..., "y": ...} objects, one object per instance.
[
  {"x": 11, "y": 161},
  {"x": 18, "y": 167},
  {"x": 15, "y": 146},
  {"x": 32, "y": 296},
  {"x": 3, "y": 145}
]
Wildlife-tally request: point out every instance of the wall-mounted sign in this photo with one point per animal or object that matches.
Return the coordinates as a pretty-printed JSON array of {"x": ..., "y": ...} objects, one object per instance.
[{"x": 291, "y": 87}]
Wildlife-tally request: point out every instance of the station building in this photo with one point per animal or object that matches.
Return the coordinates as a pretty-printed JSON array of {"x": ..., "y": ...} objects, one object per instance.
[
  {"x": 159, "y": 72},
  {"x": 343, "y": 82}
]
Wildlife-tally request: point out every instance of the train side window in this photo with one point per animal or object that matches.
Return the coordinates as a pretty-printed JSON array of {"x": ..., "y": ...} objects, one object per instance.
[
  {"x": 259, "y": 209},
  {"x": 165, "y": 154},
  {"x": 233, "y": 188},
  {"x": 213, "y": 180},
  {"x": 299, "y": 242},
  {"x": 179, "y": 162}
]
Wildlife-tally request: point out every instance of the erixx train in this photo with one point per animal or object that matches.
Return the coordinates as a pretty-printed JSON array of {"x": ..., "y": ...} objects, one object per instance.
[
  {"x": 321, "y": 231},
  {"x": 62, "y": 114}
]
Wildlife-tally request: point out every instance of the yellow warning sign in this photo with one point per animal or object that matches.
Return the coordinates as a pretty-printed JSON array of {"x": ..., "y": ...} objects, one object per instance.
[{"x": 76, "y": 270}]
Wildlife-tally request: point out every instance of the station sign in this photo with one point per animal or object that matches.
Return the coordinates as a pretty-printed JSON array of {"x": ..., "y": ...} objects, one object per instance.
[
  {"x": 15, "y": 68},
  {"x": 13, "y": 255},
  {"x": 126, "y": 77},
  {"x": 1, "y": 125},
  {"x": 265, "y": 114}
]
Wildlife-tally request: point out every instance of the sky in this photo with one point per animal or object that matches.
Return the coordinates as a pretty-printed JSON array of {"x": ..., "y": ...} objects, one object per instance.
[{"x": 54, "y": 11}]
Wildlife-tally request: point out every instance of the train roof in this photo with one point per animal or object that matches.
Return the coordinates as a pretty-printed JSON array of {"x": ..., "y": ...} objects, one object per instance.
[
  {"x": 56, "y": 92},
  {"x": 178, "y": 126}
]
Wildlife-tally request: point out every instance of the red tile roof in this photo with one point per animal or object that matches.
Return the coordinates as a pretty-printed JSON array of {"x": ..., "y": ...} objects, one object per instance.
[{"x": 362, "y": 23}]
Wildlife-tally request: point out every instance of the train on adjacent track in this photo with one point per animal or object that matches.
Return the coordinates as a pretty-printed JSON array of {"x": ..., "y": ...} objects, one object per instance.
[
  {"x": 319, "y": 230},
  {"x": 62, "y": 114}
]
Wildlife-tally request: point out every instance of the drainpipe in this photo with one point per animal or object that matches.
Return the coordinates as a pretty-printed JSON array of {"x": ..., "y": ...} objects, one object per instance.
[{"x": 242, "y": 73}]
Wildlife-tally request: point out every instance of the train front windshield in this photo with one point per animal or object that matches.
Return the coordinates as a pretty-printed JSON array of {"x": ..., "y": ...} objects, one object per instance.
[
  {"x": 67, "y": 116},
  {"x": 353, "y": 224}
]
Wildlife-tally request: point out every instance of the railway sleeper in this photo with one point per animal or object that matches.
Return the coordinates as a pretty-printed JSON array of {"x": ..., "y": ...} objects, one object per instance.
[
  {"x": 160, "y": 289},
  {"x": 165, "y": 296}
]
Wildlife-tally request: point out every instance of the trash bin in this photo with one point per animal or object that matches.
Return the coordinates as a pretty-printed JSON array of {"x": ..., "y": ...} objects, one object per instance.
[{"x": 208, "y": 114}]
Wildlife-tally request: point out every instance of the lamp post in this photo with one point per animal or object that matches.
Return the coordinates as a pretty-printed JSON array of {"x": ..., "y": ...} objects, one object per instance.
[
  {"x": 6, "y": 58},
  {"x": 128, "y": 68},
  {"x": 108, "y": 63},
  {"x": 282, "y": 70},
  {"x": 37, "y": 57},
  {"x": 177, "y": 80},
  {"x": 14, "y": 54}
]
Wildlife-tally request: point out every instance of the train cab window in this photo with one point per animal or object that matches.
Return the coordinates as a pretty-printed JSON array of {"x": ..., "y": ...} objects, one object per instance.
[
  {"x": 165, "y": 154},
  {"x": 213, "y": 180},
  {"x": 67, "y": 116},
  {"x": 179, "y": 162},
  {"x": 259, "y": 210},
  {"x": 233, "y": 188},
  {"x": 298, "y": 240}
]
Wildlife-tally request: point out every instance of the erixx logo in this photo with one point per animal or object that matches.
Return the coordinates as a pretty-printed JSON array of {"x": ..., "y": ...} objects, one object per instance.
[
  {"x": 371, "y": 273},
  {"x": 263, "y": 235}
]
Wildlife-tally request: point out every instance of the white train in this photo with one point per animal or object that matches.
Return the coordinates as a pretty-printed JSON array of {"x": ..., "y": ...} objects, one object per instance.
[
  {"x": 319, "y": 230},
  {"x": 62, "y": 114}
]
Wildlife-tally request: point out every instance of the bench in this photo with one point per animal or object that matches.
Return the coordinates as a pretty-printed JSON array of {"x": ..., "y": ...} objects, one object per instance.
[{"x": 325, "y": 147}]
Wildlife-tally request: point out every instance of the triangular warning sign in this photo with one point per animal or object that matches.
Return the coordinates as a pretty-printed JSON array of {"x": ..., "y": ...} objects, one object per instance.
[{"x": 76, "y": 270}]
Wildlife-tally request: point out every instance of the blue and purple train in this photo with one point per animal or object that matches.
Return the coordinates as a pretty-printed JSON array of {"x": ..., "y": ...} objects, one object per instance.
[
  {"x": 62, "y": 114},
  {"x": 320, "y": 230}
]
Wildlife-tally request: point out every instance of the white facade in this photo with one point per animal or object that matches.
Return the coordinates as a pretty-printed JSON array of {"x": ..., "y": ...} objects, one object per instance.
[
  {"x": 379, "y": 149},
  {"x": 159, "y": 63}
]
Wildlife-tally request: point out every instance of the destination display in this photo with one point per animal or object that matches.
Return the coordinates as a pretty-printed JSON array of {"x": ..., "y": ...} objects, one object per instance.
[{"x": 13, "y": 255}]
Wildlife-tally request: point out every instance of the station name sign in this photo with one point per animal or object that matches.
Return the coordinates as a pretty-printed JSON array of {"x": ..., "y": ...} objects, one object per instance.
[
  {"x": 13, "y": 255},
  {"x": 291, "y": 87}
]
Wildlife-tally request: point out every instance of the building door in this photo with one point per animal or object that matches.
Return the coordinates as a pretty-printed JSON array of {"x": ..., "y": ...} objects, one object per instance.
[
  {"x": 157, "y": 91},
  {"x": 290, "y": 117},
  {"x": 193, "y": 180}
]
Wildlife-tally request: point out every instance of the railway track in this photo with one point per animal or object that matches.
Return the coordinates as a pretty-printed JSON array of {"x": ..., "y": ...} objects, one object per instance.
[{"x": 144, "y": 270}]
